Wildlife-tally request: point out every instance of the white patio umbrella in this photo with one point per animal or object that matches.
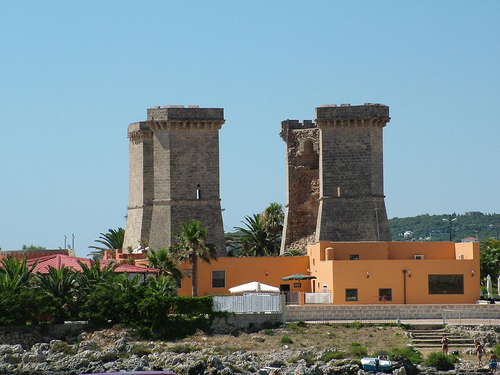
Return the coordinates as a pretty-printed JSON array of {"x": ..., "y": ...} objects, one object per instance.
[
  {"x": 498, "y": 286},
  {"x": 489, "y": 286},
  {"x": 254, "y": 286}
]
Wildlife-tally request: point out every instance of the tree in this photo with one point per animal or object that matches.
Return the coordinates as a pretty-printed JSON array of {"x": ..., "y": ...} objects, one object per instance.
[
  {"x": 14, "y": 274},
  {"x": 163, "y": 260},
  {"x": 111, "y": 240},
  {"x": 192, "y": 246},
  {"x": 94, "y": 274},
  {"x": 489, "y": 259},
  {"x": 60, "y": 285},
  {"x": 254, "y": 240},
  {"x": 271, "y": 221},
  {"x": 33, "y": 248}
]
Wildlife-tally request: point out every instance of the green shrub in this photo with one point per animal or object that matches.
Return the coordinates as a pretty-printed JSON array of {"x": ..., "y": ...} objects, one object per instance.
[
  {"x": 356, "y": 325},
  {"x": 440, "y": 361},
  {"x": 307, "y": 357},
  {"x": 140, "y": 351},
  {"x": 496, "y": 350},
  {"x": 183, "y": 349},
  {"x": 268, "y": 331},
  {"x": 301, "y": 323},
  {"x": 267, "y": 325},
  {"x": 63, "y": 347},
  {"x": 333, "y": 355},
  {"x": 358, "y": 351},
  {"x": 411, "y": 354},
  {"x": 294, "y": 327},
  {"x": 286, "y": 340}
]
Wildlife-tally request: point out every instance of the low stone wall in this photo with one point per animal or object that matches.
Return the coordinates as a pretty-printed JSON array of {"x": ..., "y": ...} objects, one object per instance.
[
  {"x": 27, "y": 336},
  {"x": 232, "y": 321},
  {"x": 389, "y": 312}
]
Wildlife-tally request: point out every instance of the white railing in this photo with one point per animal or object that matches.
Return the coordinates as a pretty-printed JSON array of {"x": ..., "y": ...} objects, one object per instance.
[
  {"x": 249, "y": 303},
  {"x": 320, "y": 297}
]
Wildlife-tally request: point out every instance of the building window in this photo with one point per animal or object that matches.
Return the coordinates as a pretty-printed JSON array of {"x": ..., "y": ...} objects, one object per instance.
[
  {"x": 385, "y": 295},
  {"x": 446, "y": 284},
  {"x": 351, "y": 294},
  {"x": 218, "y": 279},
  {"x": 353, "y": 256}
]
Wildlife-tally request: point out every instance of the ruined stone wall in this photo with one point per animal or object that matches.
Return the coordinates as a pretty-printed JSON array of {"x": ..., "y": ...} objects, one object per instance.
[
  {"x": 141, "y": 187},
  {"x": 352, "y": 206},
  {"x": 302, "y": 189}
]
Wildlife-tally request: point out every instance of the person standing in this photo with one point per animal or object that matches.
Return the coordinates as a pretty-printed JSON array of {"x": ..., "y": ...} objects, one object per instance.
[
  {"x": 493, "y": 362},
  {"x": 479, "y": 353},
  {"x": 445, "y": 342}
]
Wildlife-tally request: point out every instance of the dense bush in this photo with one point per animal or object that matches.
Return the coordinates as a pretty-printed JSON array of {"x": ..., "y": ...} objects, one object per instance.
[
  {"x": 101, "y": 297},
  {"x": 411, "y": 354},
  {"x": 440, "y": 361}
]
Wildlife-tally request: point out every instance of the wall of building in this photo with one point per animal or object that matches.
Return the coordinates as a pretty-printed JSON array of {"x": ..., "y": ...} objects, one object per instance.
[
  {"x": 381, "y": 266},
  {"x": 267, "y": 270}
]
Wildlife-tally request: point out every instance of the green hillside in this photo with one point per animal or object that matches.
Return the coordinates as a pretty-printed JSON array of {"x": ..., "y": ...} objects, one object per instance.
[{"x": 437, "y": 227}]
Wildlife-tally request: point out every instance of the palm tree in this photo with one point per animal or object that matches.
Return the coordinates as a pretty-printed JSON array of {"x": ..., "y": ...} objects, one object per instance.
[
  {"x": 191, "y": 246},
  {"x": 58, "y": 283},
  {"x": 254, "y": 240},
  {"x": 111, "y": 240},
  {"x": 271, "y": 221},
  {"x": 163, "y": 260},
  {"x": 162, "y": 285},
  {"x": 14, "y": 274},
  {"x": 94, "y": 274}
]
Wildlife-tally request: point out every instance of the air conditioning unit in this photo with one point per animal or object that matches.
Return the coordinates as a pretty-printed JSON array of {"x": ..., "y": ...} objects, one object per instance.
[{"x": 418, "y": 257}]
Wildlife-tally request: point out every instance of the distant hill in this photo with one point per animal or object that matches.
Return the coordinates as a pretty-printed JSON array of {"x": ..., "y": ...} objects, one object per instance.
[{"x": 437, "y": 227}]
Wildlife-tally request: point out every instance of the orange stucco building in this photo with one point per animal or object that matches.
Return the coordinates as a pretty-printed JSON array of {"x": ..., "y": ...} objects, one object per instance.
[{"x": 357, "y": 272}]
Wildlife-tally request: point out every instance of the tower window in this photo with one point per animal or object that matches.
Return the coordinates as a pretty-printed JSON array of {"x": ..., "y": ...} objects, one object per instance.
[{"x": 198, "y": 192}]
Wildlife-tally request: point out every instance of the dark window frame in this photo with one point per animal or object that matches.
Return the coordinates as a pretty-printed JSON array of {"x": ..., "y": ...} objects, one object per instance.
[
  {"x": 446, "y": 284},
  {"x": 383, "y": 292},
  {"x": 352, "y": 298},
  {"x": 218, "y": 282},
  {"x": 353, "y": 256}
]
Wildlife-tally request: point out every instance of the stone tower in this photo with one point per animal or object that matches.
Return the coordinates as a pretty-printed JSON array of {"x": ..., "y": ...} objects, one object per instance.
[
  {"x": 141, "y": 188},
  {"x": 351, "y": 202},
  {"x": 181, "y": 174},
  {"x": 302, "y": 188}
]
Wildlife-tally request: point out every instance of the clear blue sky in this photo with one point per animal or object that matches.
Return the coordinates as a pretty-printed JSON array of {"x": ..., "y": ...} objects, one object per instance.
[{"x": 75, "y": 74}]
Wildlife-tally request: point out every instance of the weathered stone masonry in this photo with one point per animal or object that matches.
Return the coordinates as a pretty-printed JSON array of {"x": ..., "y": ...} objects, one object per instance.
[
  {"x": 178, "y": 178},
  {"x": 302, "y": 193},
  {"x": 340, "y": 197}
]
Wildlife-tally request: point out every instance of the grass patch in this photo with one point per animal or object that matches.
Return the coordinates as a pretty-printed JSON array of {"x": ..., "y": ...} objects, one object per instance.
[
  {"x": 286, "y": 340},
  {"x": 63, "y": 347},
  {"x": 307, "y": 357},
  {"x": 268, "y": 331},
  {"x": 184, "y": 348},
  {"x": 140, "y": 351},
  {"x": 333, "y": 355},
  {"x": 357, "y": 351}
]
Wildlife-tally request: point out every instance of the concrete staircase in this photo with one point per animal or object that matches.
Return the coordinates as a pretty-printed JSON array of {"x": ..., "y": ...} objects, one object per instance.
[{"x": 429, "y": 337}]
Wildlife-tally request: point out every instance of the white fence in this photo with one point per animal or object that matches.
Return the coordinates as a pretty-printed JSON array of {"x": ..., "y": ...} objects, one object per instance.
[
  {"x": 250, "y": 303},
  {"x": 320, "y": 297}
]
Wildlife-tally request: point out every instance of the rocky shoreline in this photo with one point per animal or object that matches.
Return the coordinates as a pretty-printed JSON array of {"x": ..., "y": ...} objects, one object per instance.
[{"x": 121, "y": 353}]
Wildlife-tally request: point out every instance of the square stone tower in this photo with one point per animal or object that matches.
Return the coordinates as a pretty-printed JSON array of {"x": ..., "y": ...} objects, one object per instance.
[
  {"x": 141, "y": 186},
  {"x": 185, "y": 174},
  {"x": 351, "y": 202}
]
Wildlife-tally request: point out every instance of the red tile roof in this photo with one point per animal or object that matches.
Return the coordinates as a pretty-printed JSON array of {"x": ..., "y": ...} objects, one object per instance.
[{"x": 59, "y": 260}]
